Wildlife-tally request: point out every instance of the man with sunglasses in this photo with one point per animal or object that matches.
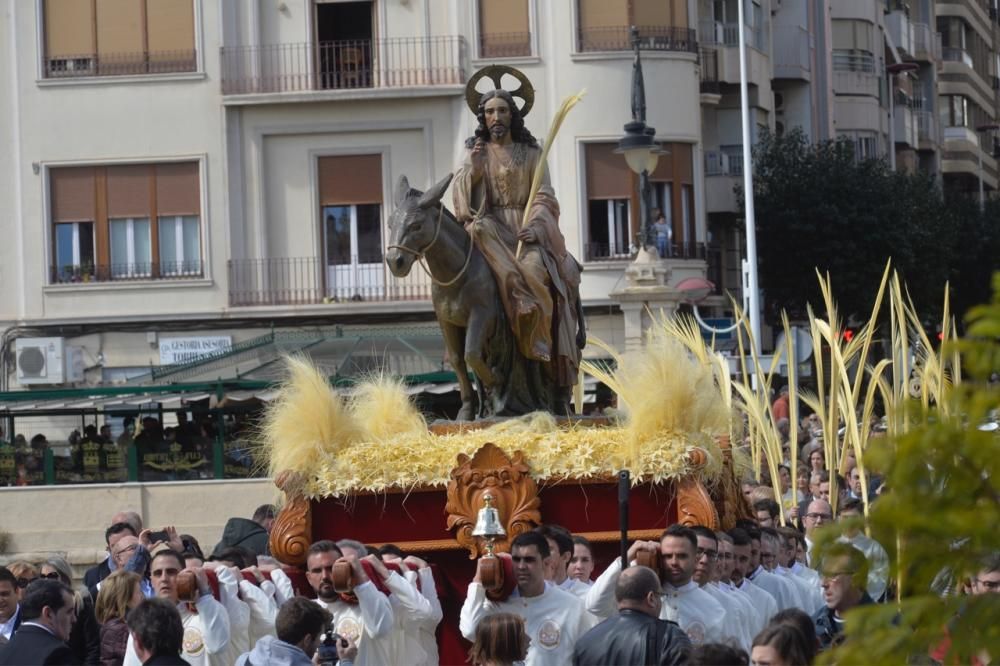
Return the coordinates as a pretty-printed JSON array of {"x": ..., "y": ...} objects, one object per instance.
[{"x": 843, "y": 571}]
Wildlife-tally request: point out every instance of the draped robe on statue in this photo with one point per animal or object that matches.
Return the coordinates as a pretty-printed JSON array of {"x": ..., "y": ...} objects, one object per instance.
[{"x": 537, "y": 289}]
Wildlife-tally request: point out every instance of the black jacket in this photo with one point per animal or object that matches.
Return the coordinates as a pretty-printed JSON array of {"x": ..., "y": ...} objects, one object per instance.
[
  {"x": 85, "y": 639},
  {"x": 95, "y": 575},
  {"x": 245, "y": 533},
  {"x": 828, "y": 630},
  {"x": 34, "y": 645},
  {"x": 628, "y": 638}
]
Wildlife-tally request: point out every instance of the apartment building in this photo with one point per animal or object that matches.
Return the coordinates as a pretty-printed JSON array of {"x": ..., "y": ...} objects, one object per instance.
[{"x": 186, "y": 175}]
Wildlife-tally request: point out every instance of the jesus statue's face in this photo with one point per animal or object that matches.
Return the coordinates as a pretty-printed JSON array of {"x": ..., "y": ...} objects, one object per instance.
[{"x": 497, "y": 113}]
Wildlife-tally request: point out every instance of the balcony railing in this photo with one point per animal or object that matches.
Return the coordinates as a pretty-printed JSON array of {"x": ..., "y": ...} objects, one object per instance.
[
  {"x": 791, "y": 53},
  {"x": 709, "y": 60},
  {"x": 119, "y": 64},
  {"x": 853, "y": 62},
  {"x": 928, "y": 127},
  {"x": 504, "y": 44},
  {"x": 309, "y": 280},
  {"x": 926, "y": 42},
  {"x": 651, "y": 38},
  {"x": 167, "y": 270},
  {"x": 345, "y": 64},
  {"x": 955, "y": 54},
  {"x": 605, "y": 252},
  {"x": 728, "y": 34}
]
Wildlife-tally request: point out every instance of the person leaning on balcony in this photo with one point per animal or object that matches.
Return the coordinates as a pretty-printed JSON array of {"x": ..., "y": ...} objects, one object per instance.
[{"x": 663, "y": 233}]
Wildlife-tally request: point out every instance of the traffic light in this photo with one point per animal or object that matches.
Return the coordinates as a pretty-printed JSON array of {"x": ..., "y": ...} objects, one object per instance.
[{"x": 848, "y": 334}]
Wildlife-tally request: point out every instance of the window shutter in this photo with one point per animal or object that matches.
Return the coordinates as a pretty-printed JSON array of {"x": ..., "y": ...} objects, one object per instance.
[
  {"x": 504, "y": 27},
  {"x": 69, "y": 28},
  {"x": 603, "y": 14},
  {"x": 73, "y": 194},
  {"x": 843, "y": 34},
  {"x": 129, "y": 191},
  {"x": 653, "y": 13},
  {"x": 607, "y": 173},
  {"x": 119, "y": 30},
  {"x": 350, "y": 179},
  {"x": 178, "y": 191},
  {"x": 170, "y": 25}
]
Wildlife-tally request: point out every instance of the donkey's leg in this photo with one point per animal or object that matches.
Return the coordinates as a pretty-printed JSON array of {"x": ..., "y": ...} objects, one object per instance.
[
  {"x": 454, "y": 342},
  {"x": 477, "y": 336}
]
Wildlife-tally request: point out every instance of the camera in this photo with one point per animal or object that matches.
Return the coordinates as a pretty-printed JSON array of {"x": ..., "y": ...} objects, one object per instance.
[{"x": 327, "y": 650}]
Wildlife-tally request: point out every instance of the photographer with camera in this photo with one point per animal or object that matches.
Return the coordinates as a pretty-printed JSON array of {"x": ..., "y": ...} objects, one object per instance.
[{"x": 301, "y": 625}]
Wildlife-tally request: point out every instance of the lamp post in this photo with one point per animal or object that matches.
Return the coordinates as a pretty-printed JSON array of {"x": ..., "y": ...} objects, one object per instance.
[
  {"x": 989, "y": 127},
  {"x": 638, "y": 145},
  {"x": 894, "y": 69}
]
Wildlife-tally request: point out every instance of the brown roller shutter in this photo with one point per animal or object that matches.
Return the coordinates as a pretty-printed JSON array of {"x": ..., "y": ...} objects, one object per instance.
[
  {"x": 655, "y": 13},
  {"x": 73, "y": 194},
  {"x": 177, "y": 189},
  {"x": 677, "y": 166},
  {"x": 350, "y": 179},
  {"x": 679, "y": 13},
  {"x": 69, "y": 28},
  {"x": 607, "y": 172},
  {"x": 129, "y": 191},
  {"x": 503, "y": 16},
  {"x": 120, "y": 29},
  {"x": 170, "y": 25},
  {"x": 603, "y": 14}
]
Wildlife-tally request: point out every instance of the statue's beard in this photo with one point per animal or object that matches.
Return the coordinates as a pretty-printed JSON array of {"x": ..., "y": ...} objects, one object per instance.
[{"x": 498, "y": 130}]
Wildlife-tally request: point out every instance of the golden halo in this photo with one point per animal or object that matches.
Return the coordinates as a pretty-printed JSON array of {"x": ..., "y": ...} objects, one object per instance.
[{"x": 494, "y": 73}]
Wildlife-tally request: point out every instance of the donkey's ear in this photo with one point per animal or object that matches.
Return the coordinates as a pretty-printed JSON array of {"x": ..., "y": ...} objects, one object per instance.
[
  {"x": 402, "y": 189},
  {"x": 433, "y": 195}
]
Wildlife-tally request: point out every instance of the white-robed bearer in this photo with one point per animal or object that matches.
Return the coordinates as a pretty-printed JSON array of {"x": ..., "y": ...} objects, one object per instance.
[
  {"x": 736, "y": 626},
  {"x": 700, "y": 616},
  {"x": 743, "y": 562},
  {"x": 581, "y": 565},
  {"x": 788, "y": 565},
  {"x": 775, "y": 545},
  {"x": 206, "y": 623},
  {"x": 554, "y": 618},
  {"x": 764, "y": 579},
  {"x": 410, "y": 608},
  {"x": 723, "y": 578},
  {"x": 561, "y": 548},
  {"x": 367, "y": 619}
]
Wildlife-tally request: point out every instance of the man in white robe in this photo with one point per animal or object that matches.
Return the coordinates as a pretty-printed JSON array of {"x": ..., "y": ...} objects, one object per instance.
[
  {"x": 369, "y": 622},
  {"x": 736, "y": 625},
  {"x": 764, "y": 602},
  {"x": 554, "y": 619},
  {"x": 723, "y": 578},
  {"x": 410, "y": 609},
  {"x": 700, "y": 616},
  {"x": 560, "y": 553}
]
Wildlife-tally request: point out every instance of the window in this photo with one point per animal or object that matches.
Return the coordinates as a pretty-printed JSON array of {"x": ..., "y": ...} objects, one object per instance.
[
  {"x": 610, "y": 190},
  {"x": 117, "y": 37},
  {"x": 350, "y": 188},
  {"x": 954, "y": 111},
  {"x": 604, "y": 25},
  {"x": 137, "y": 221},
  {"x": 504, "y": 29},
  {"x": 673, "y": 182}
]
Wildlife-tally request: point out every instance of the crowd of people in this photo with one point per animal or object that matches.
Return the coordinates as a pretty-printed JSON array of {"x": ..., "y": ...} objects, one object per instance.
[{"x": 759, "y": 593}]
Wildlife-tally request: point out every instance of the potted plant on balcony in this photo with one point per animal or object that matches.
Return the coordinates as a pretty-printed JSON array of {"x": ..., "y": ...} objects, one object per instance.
[{"x": 87, "y": 271}]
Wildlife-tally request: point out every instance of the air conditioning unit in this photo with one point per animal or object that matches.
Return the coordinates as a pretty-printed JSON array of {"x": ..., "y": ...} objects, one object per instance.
[{"x": 47, "y": 361}]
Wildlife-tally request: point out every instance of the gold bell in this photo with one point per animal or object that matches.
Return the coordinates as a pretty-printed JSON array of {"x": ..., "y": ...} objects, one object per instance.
[{"x": 488, "y": 525}]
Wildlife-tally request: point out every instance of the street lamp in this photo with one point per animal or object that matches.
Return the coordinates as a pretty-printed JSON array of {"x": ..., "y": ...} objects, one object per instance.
[
  {"x": 989, "y": 127},
  {"x": 894, "y": 69},
  {"x": 638, "y": 145}
]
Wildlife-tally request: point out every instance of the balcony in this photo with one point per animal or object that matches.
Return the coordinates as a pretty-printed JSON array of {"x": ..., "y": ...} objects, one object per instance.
[
  {"x": 926, "y": 43},
  {"x": 855, "y": 74},
  {"x": 597, "y": 252},
  {"x": 928, "y": 130},
  {"x": 709, "y": 75},
  {"x": 897, "y": 24},
  {"x": 119, "y": 64},
  {"x": 311, "y": 281},
  {"x": 905, "y": 127},
  {"x": 954, "y": 54},
  {"x": 651, "y": 38},
  {"x": 504, "y": 44},
  {"x": 791, "y": 55},
  {"x": 340, "y": 65},
  {"x": 723, "y": 168},
  {"x": 728, "y": 34},
  {"x": 961, "y": 133},
  {"x": 161, "y": 271}
]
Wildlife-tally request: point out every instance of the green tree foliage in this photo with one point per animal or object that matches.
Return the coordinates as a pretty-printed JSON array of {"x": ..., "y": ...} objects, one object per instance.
[
  {"x": 819, "y": 207},
  {"x": 938, "y": 518}
]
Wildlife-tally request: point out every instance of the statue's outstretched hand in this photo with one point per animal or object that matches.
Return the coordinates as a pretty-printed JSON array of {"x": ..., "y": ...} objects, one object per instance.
[{"x": 478, "y": 157}]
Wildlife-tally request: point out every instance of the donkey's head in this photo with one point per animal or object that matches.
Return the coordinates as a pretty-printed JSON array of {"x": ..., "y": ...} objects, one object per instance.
[{"x": 413, "y": 225}]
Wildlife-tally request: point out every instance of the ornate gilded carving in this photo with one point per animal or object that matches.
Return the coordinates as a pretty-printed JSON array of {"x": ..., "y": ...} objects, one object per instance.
[
  {"x": 514, "y": 493},
  {"x": 292, "y": 530},
  {"x": 694, "y": 504}
]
